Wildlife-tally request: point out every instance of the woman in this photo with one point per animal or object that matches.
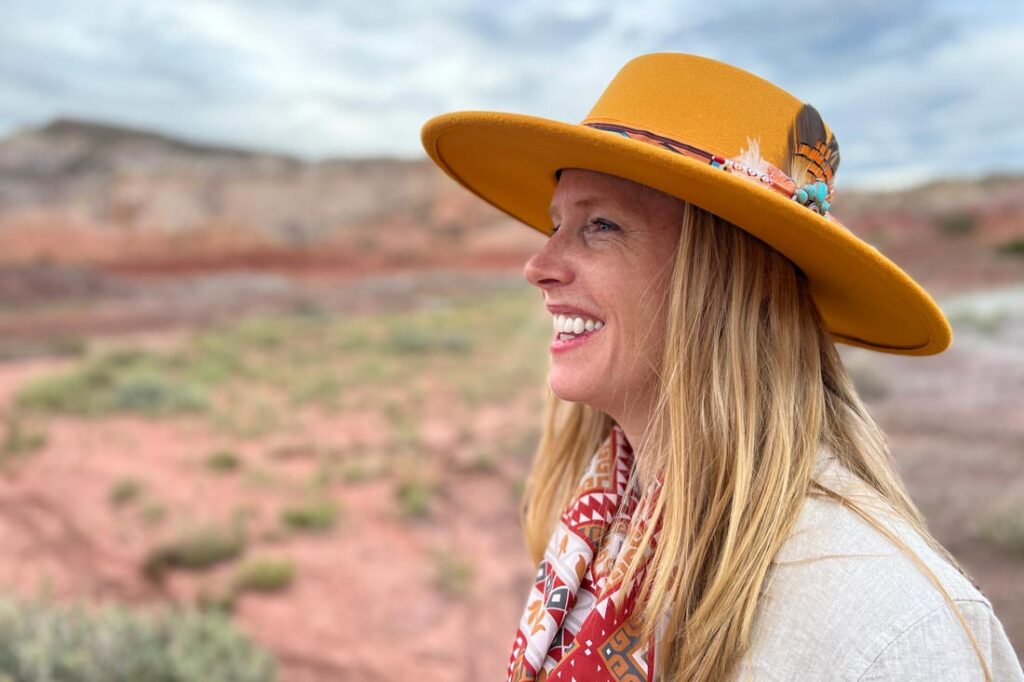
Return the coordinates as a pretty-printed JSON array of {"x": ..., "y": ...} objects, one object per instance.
[{"x": 710, "y": 498}]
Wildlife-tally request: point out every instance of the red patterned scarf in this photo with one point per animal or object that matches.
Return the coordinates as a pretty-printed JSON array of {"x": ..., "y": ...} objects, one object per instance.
[{"x": 576, "y": 624}]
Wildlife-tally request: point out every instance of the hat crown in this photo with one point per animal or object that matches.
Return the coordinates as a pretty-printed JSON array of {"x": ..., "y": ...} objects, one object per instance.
[{"x": 702, "y": 102}]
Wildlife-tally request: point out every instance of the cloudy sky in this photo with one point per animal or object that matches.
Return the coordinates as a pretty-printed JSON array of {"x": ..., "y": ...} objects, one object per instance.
[{"x": 913, "y": 90}]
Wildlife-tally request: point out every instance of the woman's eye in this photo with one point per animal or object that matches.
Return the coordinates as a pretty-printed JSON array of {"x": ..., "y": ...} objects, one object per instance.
[{"x": 603, "y": 225}]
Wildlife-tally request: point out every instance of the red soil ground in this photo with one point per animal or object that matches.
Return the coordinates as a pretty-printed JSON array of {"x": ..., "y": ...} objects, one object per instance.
[{"x": 365, "y": 604}]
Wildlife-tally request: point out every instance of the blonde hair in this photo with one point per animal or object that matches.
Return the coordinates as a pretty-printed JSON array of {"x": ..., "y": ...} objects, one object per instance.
[{"x": 751, "y": 385}]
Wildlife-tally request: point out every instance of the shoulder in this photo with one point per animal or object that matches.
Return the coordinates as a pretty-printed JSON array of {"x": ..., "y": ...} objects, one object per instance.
[
  {"x": 842, "y": 601},
  {"x": 935, "y": 647}
]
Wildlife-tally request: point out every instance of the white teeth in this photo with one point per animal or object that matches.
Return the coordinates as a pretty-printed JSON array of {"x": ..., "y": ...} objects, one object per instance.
[{"x": 575, "y": 325}]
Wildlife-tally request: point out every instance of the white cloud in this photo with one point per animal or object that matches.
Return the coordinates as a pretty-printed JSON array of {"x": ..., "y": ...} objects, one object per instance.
[{"x": 913, "y": 90}]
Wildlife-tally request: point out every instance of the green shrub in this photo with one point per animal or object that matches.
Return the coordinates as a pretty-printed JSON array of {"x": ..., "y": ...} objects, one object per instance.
[
  {"x": 120, "y": 381},
  {"x": 124, "y": 491},
  {"x": 351, "y": 338},
  {"x": 1005, "y": 529},
  {"x": 223, "y": 461},
  {"x": 484, "y": 460},
  {"x": 956, "y": 224},
  {"x": 72, "y": 643},
  {"x": 1012, "y": 247},
  {"x": 249, "y": 420},
  {"x": 222, "y": 600},
  {"x": 323, "y": 388},
  {"x": 362, "y": 469},
  {"x": 414, "y": 495},
  {"x": 317, "y": 515},
  {"x": 412, "y": 340},
  {"x": 19, "y": 438},
  {"x": 195, "y": 549},
  {"x": 310, "y": 309},
  {"x": 212, "y": 358},
  {"x": 327, "y": 473},
  {"x": 266, "y": 333},
  {"x": 152, "y": 513},
  {"x": 517, "y": 487},
  {"x": 155, "y": 394},
  {"x": 264, "y": 574}
]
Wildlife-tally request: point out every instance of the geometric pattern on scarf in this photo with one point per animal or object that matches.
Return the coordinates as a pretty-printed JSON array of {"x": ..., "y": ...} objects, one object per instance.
[{"x": 576, "y": 624}]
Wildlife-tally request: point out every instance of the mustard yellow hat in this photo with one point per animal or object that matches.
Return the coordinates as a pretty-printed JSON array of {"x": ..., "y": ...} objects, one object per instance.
[{"x": 722, "y": 139}]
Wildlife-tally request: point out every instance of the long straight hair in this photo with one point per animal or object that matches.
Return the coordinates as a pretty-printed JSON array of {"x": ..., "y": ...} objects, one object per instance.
[{"x": 751, "y": 386}]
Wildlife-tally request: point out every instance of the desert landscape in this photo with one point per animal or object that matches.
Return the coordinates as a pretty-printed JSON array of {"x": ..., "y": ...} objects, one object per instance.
[{"x": 302, "y": 397}]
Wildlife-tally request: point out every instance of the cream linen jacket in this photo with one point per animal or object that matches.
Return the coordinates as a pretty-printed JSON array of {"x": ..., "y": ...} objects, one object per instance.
[{"x": 842, "y": 602}]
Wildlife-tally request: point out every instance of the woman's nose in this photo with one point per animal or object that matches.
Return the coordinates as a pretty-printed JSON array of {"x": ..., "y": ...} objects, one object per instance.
[{"x": 549, "y": 266}]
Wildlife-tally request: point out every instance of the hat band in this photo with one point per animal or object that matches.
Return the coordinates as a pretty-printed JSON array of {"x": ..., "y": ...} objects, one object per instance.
[{"x": 813, "y": 195}]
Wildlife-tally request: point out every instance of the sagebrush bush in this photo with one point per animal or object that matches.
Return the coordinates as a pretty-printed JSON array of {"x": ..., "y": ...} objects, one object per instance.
[
  {"x": 264, "y": 574},
  {"x": 960, "y": 223},
  {"x": 414, "y": 496},
  {"x": 124, "y": 491},
  {"x": 19, "y": 438},
  {"x": 1012, "y": 247},
  {"x": 126, "y": 380},
  {"x": 416, "y": 341},
  {"x": 318, "y": 515},
  {"x": 42, "y": 641},
  {"x": 1004, "y": 528},
  {"x": 223, "y": 461},
  {"x": 195, "y": 550}
]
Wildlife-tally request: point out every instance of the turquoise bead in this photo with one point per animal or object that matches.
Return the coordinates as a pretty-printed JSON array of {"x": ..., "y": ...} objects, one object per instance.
[
  {"x": 822, "y": 190},
  {"x": 801, "y": 195},
  {"x": 824, "y": 206}
]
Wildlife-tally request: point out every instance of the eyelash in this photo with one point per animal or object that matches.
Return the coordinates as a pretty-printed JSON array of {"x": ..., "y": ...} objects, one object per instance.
[
  {"x": 605, "y": 223},
  {"x": 596, "y": 221}
]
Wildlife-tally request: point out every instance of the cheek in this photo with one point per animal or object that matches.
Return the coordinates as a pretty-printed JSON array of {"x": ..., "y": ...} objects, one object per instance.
[
  {"x": 644, "y": 332},
  {"x": 634, "y": 305}
]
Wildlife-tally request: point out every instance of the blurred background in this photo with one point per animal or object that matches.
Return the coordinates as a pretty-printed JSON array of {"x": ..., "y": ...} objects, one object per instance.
[{"x": 262, "y": 362}]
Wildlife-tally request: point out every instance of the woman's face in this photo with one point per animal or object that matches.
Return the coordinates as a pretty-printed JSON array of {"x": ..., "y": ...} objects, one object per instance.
[{"x": 602, "y": 275}]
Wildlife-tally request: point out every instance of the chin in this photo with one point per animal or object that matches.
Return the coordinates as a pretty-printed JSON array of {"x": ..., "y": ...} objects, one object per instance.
[{"x": 566, "y": 388}]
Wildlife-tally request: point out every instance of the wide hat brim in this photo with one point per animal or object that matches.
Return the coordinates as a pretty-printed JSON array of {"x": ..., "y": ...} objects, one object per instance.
[{"x": 510, "y": 161}]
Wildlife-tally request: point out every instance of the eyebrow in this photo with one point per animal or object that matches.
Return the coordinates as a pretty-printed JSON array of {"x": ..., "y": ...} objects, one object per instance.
[{"x": 585, "y": 201}]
